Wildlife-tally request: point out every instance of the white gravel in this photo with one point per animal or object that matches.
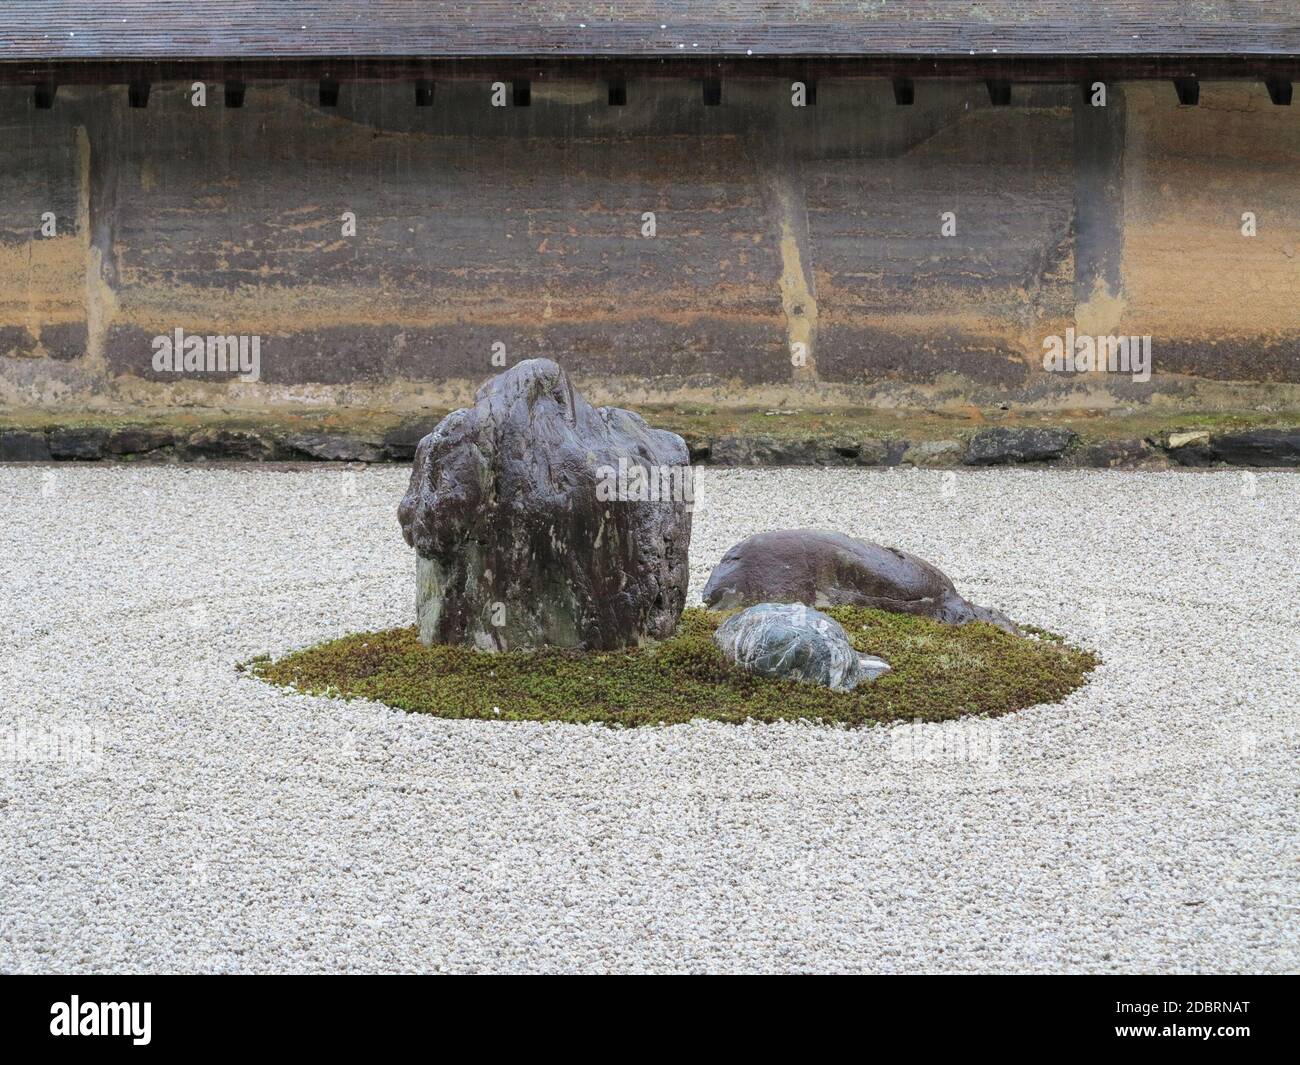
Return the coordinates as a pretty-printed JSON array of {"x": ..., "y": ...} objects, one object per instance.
[{"x": 1148, "y": 823}]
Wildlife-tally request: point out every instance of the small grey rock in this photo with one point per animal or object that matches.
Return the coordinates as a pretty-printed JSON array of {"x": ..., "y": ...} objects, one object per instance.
[
  {"x": 794, "y": 641},
  {"x": 1187, "y": 438},
  {"x": 933, "y": 453}
]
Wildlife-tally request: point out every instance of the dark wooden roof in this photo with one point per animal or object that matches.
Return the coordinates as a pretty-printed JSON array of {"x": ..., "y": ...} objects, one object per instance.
[{"x": 266, "y": 29}]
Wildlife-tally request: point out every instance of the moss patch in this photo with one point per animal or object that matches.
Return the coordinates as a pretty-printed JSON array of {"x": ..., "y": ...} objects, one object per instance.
[
  {"x": 696, "y": 424},
  {"x": 939, "y": 672}
]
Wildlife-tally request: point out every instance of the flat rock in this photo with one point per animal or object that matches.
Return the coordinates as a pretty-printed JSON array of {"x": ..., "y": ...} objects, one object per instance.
[
  {"x": 765, "y": 450},
  {"x": 86, "y": 444},
  {"x": 332, "y": 447},
  {"x": 138, "y": 441},
  {"x": 877, "y": 451},
  {"x": 230, "y": 444},
  {"x": 796, "y": 642},
  {"x": 1194, "y": 436},
  {"x": 990, "y": 447},
  {"x": 933, "y": 453},
  {"x": 17, "y": 445},
  {"x": 818, "y": 567},
  {"x": 1112, "y": 454},
  {"x": 539, "y": 520},
  {"x": 1253, "y": 447}
]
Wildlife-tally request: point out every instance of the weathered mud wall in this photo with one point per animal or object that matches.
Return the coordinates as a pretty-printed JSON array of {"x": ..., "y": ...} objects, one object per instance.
[{"x": 776, "y": 228}]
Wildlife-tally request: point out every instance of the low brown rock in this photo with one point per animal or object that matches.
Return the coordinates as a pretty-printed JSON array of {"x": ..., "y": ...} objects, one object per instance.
[{"x": 821, "y": 568}]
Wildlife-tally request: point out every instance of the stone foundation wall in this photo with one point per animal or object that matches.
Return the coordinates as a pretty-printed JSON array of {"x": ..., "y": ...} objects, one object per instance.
[{"x": 519, "y": 231}]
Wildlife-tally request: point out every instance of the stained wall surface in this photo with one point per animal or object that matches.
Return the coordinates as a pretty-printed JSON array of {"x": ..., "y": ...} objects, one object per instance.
[{"x": 814, "y": 230}]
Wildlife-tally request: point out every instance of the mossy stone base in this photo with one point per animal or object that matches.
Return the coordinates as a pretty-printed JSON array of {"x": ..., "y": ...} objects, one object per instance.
[{"x": 940, "y": 672}]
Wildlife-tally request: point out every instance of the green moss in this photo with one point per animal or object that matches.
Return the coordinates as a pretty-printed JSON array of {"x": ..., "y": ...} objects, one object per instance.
[
  {"x": 356, "y": 421},
  {"x": 839, "y": 425},
  {"x": 697, "y": 423},
  {"x": 939, "y": 672}
]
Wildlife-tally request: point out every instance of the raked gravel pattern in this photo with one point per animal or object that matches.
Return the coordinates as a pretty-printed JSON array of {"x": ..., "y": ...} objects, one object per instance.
[{"x": 209, "y": 822}]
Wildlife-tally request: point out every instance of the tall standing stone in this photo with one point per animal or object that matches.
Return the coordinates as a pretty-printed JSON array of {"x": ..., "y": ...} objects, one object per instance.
[{"x": 542, "y": 521}]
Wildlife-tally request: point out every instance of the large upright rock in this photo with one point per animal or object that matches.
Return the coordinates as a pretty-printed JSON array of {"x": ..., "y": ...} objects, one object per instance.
[
  {"x": 822, "y": 568},
  {"x": 521, "y": 545}
]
